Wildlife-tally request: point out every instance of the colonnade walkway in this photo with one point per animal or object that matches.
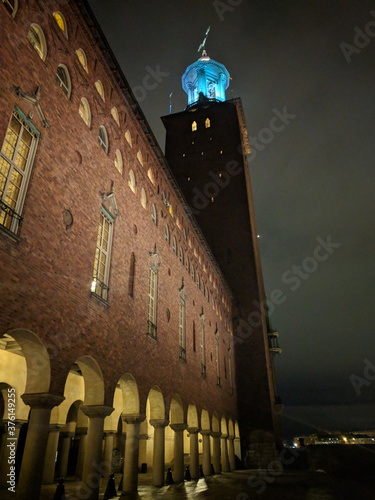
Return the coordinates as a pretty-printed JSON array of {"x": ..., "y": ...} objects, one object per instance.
[{"x": 238, "y": 485}]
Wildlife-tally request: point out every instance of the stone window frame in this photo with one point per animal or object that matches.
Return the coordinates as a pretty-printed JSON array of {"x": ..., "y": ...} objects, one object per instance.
[
  {"x": 83, "y": 59},
  {"x": 84, "y": 104},
  {"x": 40, "y": 47},
  {"x": 65, "y": 28},
  {"x": 103, "y": 139},
  {"x": 119, "y": 164},
  {"x": 66, "y": 87},
  {"x": 99, "y": 287}
]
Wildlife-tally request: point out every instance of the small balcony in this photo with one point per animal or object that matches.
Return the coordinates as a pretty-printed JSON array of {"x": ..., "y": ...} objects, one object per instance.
[
  {"x": 151, "y": 329},
  {"x": 273, "y": 342}
]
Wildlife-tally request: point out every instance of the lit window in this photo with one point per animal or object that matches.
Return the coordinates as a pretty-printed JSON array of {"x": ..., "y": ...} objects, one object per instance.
[
  {"x": 131, "y": 275},
  {"x": 166, "y": 234},
  {"x": 194, "y": 126},
  {"x": 178, "y": 223},
  {"x": 99, "y": 87},
  {"x": 11, "y": 6},
  {"x": 152, "y": 302},
  {"x": 16, "y": 160},
  {"x": 100, "y": 280},
  {"x": 153, "y": 214},
  {"x": 139, "y": 157},
  {"x": 60, "y": 20},
  {"x": 207, "y": 123},
  {"x": 184, "y": 233},
  {"x": 174, "y": 245},
  {"x": 143, "y": 198},
  {"x": 84, "y": 111},
  {"x": 118, "y": 161},
  {"x": 128, "y": 138},
  {"x": 198, "y": 280},
  {"x": 37, "y": 39},
  {"x": 187, "y": 265},
  {"x": 82, "y": 59},
  {"x": 63, "y": 80},
  {"x": 103, "y": 139},
  {"x": 170, "y": 210},
  {"x": 150, "y": 175},
  {"x": 189, "y": 242},
  {"x": 211, "y": 90},
  {"x": 181, "y": 256},
  {"x": 114, "y": 113},
  {"x": 192, "y": 273},
  {"x": 182, "y": 329},
  {"x": 131, "y": 181}
]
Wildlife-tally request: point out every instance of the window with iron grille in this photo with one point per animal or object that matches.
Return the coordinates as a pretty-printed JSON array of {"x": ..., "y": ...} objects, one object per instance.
[
  {"x": 182, "y": 330},
  {"x": 152, "y": 302},
  {"x": 100, "y": 280},
  {"x": 16, "y": 160}
]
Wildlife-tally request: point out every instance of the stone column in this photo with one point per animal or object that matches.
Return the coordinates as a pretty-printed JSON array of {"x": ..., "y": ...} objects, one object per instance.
[
  {"x": 142, "y": 449},
  {"x": 82, "y": 432},
  {"x": 206, "y": 458},
  {"x": 92, "y": 465},
  {"x": 50, "y": 458},
  {"x": 178, "y": 455},
  {"x": 6, "y": 451},
  {"x": 237, "y": 447},
  {"x": 30, "y": 479},
  {"x": 232, "y": 460},
  {"x": 109, "y": 437},
  {"x": 216, "y": 451},
  {"x": 62, "y": 464},
  {"x": 224, "y": 453},
  {"x": 130, "y": 483},
  {"x": 158, "y": 459},
  {"x": 194, "y": 454}
]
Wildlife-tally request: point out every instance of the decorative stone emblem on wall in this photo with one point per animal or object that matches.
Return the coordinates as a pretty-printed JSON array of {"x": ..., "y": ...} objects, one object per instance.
[
  {"x": 68, "y": 219},
  {"x": 110, "y": 202},
  {"x": 34, "y": 99}
]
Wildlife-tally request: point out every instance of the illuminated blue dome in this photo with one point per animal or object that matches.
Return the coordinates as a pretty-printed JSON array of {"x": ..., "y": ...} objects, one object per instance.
[{"x": 205, "y": 76}]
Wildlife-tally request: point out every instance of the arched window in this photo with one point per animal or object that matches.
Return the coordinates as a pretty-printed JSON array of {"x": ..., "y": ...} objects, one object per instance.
[
  {"x": 192, "y": 273},
  {"x": 82, "y": 59},
  {"x": 11, "y": 6},
  {"x": 174, "y": 245},
  {"x": 143, "y": 198},
  {"x": 184, "y": 233},
  {"x": 153, "y": 214},
  {"x": 38, "y": 41},
  {"x": 198, "y": 280},
  {"x": 131, "y": 181},
  {"x": 202, "y": 286},
  {"x": 207, "y": 123},
  {"x": 60, "y": 20},
  {"x": 131, "y": 275},
  {"x": 187, "y": 265},
  {"x": 194, "y": 126},
  {"x": 139, "y": 157},
  {"x": 103, "y": 138},
  {"x": 178, "y": 223},
  {"x": 63, "y": 79},
  {"x": 84, "y": 111},
  {"x": 128, "y": 138},
  {"x": 150, "y": 175},
  {"x": 99, "y": 87},
  {"x": 118, "y": 161},
  {"x": 114, "y": 113},
  {"x": 189, "y": 242},
  {"x": 166, "y": 234},
  {"x": 181, "y": 256}
]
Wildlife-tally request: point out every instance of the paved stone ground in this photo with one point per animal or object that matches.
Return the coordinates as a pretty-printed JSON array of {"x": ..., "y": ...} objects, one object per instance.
[{"x": 239, "y": 485}]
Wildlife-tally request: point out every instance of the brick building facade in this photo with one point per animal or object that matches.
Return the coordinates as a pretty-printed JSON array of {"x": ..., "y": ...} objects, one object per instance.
[{"x": 116, "y": 319}]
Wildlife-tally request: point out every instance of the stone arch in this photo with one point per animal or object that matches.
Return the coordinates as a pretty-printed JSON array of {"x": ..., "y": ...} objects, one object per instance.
[
  {"x": 192, "y": 416},
  {"x": 38, "y": 375},
  {"x": 93, "y": 380},
  {"x": 223, "y": 426},
  {"x": 205, "y": 420},
  {"x": 130, "y": 394},
  {"x": 215, "y": 422},
  {"x": 176, "y": 410},
  {"x": 230, "y": 428},
  {"x": 236, "y": 429},
  {"x": 156, "y": 401}
]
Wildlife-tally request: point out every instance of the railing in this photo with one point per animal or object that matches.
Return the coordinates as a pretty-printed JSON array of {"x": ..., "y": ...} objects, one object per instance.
[
  {"x": 9, "y": 219},
  {"x": 99, "y": 288},
  {"x": 182, "y": 353},
  {"x": 151, "y": 329}
]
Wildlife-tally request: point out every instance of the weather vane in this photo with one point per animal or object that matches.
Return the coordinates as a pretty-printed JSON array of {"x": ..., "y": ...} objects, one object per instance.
[{"x": 201, "y": 46}]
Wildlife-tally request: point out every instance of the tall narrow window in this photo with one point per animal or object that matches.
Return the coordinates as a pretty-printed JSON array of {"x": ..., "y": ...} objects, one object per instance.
[
  {"x": 143, "y": 198},
  {"x": 38, "y": 41},
  {"x": 99, "y": 87},
  {"x": 131, "y": 181},
  {"x": 152, "y": 302},
  {"x": 194, "y": 341},
  {"x": 139, "y": 157},
  {"x": 192, "y": 273},
  {"x": 63, "y": 80},
  {"x": 82, "y": 59},
  {"x": 181, "y": 256},
  {"x": 16, "y": 160},
  {"x": 187, "y": 265},
  {"x": 60, "y": 21},
  {"x": 150, "y": 175},
  {"x": 198, "y": 280},
  {"x": 128, "y": 138},
  {"x": 131, "y": 275},
  {"x": 115, "y": 115},
  {"x": 153, "y": 215},
  {"x": 217, "y": 359},
  {"x": 207, "y": 123},
  {"x": 118, "y": 161},
  {"x": 194, "y": 126},
  {"x": 103, "y": 139},
  {"x": 166, "y": 234},
  {"x": 203, "y": 348},
  {"x": 182, "y": 330},
  {"x": 99, "y": 285},
  {"x": 174, "y": 247},
  {"x": 84, "y": 111}
]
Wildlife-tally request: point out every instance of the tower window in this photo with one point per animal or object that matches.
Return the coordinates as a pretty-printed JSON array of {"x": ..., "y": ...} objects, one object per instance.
[
  {"x": 187, "y": 264},
  {"x": 207, "y": 123},
  {"x": 194, "y": 126},
  {"x": 38, "y": 41},
  {"x": 118, "y": 161},
  {"x": 114, "y": 113},
  {"x": 84, "y": 111},
  {"x": 103, "y": 139},
  {"x": 150, "y": 175},
  {"x": 60, "y": 20},
  {"x": 143, "y": 198},
  {"x": 131, "y": 275},
  {"x": 211, "y": 90},
  {"x": 131, "y": 181},
  {"x": 63, "y": 80},
  {"x": 174, "y": 245},
  {"x": 82, "y": 59},
  {"x": 166, "y": 234},
  {"x": 128, "y": 138},
  {"x": 181, "y": 256},
  {"x": 153, "y": 214},
  {"x": 139, "y": 157},
  {"x": 99, "y": 87},
  {"x": 99, "y": 285},
  {"x": 11, "y": 6},
  {"x": 152, "y": 302}
]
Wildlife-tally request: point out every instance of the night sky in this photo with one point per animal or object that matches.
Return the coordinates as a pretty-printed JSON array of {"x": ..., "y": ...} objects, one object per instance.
[{"x": 312, "y": 180}]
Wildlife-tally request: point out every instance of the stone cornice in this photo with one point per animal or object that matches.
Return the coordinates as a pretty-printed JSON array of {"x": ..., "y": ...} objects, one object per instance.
[
  {"x": 96, "y": 411},
  {"x": 42, "y": 400}
]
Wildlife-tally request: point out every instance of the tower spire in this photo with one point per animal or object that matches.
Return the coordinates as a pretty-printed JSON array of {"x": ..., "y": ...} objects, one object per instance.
[{"x": 201, "y": 46}]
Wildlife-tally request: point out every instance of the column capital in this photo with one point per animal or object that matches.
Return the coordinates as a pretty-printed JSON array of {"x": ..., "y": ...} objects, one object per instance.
[
  {"x": 81, "y": 430},
  {"x": 224, "y": 436},
  {"x": 231, "y": 438},
  {"x": 206, "y": 432},
  {"x": 143, "y": 436},
  {"x": 193, "y": 430},
  {"x": 133, "y": 418},
  {"x": 216, "y": 434},
  {"x": 55, "y": 427},
  {"x": 178, "y": 427},
  {"x": 159, "y": 422},
  {"x": 67, "y": 434},
  {"x": 96, "y": 411},
  {"x": 42, "y": 400}
]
